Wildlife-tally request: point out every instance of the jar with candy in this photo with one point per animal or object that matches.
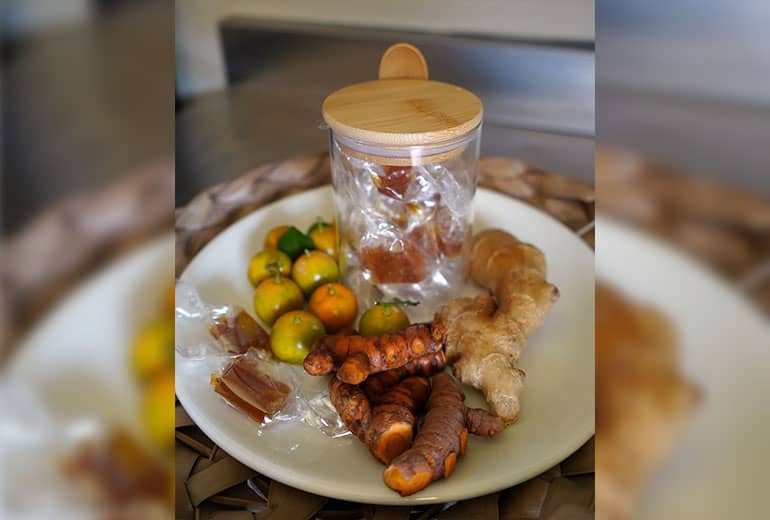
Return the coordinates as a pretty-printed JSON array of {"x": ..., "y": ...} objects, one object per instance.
[{"x": 404, "y": 158}]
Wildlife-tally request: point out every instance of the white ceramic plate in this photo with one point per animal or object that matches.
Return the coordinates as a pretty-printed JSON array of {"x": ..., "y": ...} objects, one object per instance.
[
  {"x": 76, "y": 359},
  {"x": 715, "y": 470},
  {"x": 558, "y": 400}
]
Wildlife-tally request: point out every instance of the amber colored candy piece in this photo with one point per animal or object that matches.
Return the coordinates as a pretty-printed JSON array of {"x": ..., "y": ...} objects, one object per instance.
[
  {"x": 394, "y": 181},
  {"x": 247, "y": 387},
  {"x": 401, "y": 264},
  {"x": 255, "y": 414},
  {"x": 240, "y": 333},
  {"x": 442, "y": 235},
  {"x": 425, "y": 239}
]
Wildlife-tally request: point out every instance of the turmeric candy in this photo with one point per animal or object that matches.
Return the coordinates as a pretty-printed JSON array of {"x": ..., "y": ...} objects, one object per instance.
[{"x": 247, "y": 387}]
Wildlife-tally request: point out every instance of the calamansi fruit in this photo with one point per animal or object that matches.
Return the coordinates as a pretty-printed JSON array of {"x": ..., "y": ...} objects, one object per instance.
[
  {"x": 312, "y": 269},
  {"x": 324, "y": 237},
  {"x": 293, "y": 334},
  {"x": 266, "y": 263},
  {"x": 335, "y": 305},
  {"x": 275, "y": 296},
  {"x": 271, "y": 240},
  {"x": 383, "y": 318}
]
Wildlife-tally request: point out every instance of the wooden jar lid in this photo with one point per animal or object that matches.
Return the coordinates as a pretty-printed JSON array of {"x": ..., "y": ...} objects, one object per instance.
[{"x": 403, "y": 107}]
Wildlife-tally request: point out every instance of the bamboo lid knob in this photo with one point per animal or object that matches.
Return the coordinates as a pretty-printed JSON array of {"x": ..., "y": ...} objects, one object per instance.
[{"x": 403, "y": 61}]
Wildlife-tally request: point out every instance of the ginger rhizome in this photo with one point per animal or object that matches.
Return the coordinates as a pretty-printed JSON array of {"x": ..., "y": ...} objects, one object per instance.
[
  {"x": 355, "y": 357},
  {"x": 485, "y": 335},
  {"x": 442, "y": 438},
  {"x": 385, "y": 425}
]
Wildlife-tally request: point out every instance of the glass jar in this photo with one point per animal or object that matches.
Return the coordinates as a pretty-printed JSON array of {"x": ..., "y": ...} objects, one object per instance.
[
  {"x": 404, "y": 215},
  {"x": 404, "y": 161}
]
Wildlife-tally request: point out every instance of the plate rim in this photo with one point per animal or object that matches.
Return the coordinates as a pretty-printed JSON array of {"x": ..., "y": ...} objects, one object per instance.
[{"x": 288, "y": 477}]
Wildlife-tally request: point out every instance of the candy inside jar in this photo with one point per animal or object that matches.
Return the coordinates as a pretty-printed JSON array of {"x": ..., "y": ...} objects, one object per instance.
[{"x": 405, "y": 220}]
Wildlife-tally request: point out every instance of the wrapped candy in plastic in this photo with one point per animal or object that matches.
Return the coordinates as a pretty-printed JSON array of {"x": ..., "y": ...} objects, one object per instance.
[
  {"x": 237, "y": 332},
  {"x": 246, "y": 384},
  {"x": 244, "y": 372}
]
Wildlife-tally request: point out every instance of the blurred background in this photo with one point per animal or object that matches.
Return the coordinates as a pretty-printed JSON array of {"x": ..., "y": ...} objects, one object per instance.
[
  {"x": 682, "y": 258},
  {"x": 84, "y": 98},
  {"x": 87, "y": 134},
  {"x": 684, "y": 89},
  {"x": 86, "y": 341},
  {"x": 688, "y": 83}
]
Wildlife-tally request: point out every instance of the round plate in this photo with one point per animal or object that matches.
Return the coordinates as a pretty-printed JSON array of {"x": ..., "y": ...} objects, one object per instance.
[
  {"x": 557, "y": 403},
  {"x": 724, "y": 350},
  {"x": 76, "y": 359}
]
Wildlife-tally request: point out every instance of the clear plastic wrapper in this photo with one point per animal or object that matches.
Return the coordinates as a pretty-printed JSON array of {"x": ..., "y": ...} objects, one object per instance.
[
  {"x": 243, "y": 370},
  {"x": 404, "y": 217}
]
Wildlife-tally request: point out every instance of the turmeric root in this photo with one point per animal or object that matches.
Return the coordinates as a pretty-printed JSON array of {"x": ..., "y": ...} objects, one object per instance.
[
  {"x": 377, "y": 384},
  {"x": 388, "y": 428},
  {"x": 478, "y": 421},
  {"x": 485, "y": 336},
  {"x": 441, "y": 440},
  {"x": 393, "y": 418},
  {"x": 353, "y": 406},
  {"x": 355, "y": 357}
]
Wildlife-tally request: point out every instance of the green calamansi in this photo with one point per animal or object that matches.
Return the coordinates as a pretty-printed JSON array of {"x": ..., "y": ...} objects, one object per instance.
[
  {"x": 313, "y": 269},
  {"x": 266, "y": 263},
  {"x": 293, "y": 334},
  {"x": 384, "y": 318},
  {"x": 276, "y": 296},
  {"x": 324, "y": 237}
]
